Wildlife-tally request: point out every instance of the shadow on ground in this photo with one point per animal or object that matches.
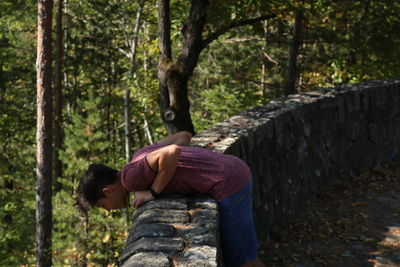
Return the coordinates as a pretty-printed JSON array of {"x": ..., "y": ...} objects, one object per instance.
[{"x": 354, "y": 223}]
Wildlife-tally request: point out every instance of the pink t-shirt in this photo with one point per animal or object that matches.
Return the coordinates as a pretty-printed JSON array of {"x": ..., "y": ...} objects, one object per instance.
[{"x": 199, "y": 170}]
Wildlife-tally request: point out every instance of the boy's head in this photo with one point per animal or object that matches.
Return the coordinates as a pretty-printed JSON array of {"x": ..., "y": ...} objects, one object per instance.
[{"x": 101, "y": 186}]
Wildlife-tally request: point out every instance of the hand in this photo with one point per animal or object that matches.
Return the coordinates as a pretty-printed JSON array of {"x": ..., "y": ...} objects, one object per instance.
[{"x": 142, "y": 197}]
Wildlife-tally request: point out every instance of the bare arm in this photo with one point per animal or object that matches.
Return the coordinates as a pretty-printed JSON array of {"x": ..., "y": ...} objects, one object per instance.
[
  {"x": 164, "y": 162},
  {"x": 179, "y": 138}
]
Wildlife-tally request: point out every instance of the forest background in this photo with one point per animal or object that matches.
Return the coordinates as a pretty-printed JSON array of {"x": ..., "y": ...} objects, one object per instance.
[{"x": 304, "y": 45}]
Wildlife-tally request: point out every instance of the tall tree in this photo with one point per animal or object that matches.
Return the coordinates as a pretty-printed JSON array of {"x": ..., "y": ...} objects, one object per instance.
[
  {"x": 44, "y": 135},
  {"x": 132, "y": 62},
  {"x": 290, "y": 87},
  {"x": 58, "y": 94},
  {"x": 173, "y": 75}
]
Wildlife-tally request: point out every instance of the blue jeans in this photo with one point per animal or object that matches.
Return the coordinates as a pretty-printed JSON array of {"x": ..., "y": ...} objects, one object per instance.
[{"x": 238, "y": 236}]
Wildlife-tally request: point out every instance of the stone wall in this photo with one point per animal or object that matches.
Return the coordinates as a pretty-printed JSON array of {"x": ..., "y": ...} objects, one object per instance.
[
  {"x": 173, "y": 231},
  {"x": 296, "y": 146}
]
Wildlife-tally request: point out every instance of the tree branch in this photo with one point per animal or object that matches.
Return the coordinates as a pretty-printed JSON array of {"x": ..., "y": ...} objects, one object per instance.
[
  {"x": 164, "y": 26},
  {"x": 234, "y": 24},
  {"x": 135, "y": 33},
  {"x": 192, "y": 35}
]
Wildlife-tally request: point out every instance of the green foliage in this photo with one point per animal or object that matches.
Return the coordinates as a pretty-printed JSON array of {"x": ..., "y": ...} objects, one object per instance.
[
  {"x": 17, "y": 133},
  {"x": 84, "y": 142},
  {"x": 97, "y": 239},
  {"x": 85, "y": 240},
  {"x": 343, "y": 42},
  {"x": 17, "y": 217},
  {"x": 222, "y": 88}
]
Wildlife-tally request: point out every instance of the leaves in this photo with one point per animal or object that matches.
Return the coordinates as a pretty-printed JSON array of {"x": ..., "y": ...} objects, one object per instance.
[{"x": 346, "y": 227}]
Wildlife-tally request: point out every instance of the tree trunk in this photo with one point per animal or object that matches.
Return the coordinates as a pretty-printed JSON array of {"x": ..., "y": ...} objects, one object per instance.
[
  {"x": 2, "y": 82},
  {"x": 263, "y": 62},
  {"x": 58, "y": 96},
  {"x": 127, "y": 132},
  {"x": 146, "y": 125},
  {"x": 86, "y": 230},
  {"x": 9, "y": 185},
  {"x": 174, "y": 102},
  {"x": 44, "y": 135},
  {"x": 290, "y": 87},
  {"x": 132, "y": 60},
  {"x": 146, "y": 128},
  {"x": 174, "y": 76}
]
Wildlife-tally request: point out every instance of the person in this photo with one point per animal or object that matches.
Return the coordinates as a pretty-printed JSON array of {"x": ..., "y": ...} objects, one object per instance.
[{"x": 171, "y": 166}]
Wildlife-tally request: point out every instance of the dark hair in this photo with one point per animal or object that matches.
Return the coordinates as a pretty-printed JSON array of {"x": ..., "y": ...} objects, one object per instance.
[{"x": 91, "y": 186}]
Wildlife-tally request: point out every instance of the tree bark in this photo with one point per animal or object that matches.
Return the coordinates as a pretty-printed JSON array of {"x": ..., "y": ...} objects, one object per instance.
[
  {"x": 263, "y": 62},
  {"x": 132, "y": 56},
  {"x": 164, "y": 26},
  {"x": 58, "y": 135},
  {"x": 2, "y": 82},
  {"x": 146, "y": 128},
  {"x": 146, "y": 125},
  {"x": 9, "y": 185},
  {"x": 127, "y": 132},
  {"x": 174, "y": 76},
  {"x": 290, "y": 87},
  {"x": 234, "y": 24},
  {"x": 44, "y": 135}
]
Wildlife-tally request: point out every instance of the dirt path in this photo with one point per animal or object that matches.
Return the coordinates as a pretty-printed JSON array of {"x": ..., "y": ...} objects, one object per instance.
[{"x": 355, "y": 223}]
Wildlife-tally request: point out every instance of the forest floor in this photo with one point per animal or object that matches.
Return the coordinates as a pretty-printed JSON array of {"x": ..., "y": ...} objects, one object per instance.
[{"x": 354, "y": 223}]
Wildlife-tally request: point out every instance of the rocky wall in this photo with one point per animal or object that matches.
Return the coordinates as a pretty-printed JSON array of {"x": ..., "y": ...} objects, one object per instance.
[
  {"x": 295, "y": 146},
  {"x": 173, "y": 231}
]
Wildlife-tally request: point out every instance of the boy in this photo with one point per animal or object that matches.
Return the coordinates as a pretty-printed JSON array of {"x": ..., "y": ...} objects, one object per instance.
[{"x": 170, "y": 166}]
